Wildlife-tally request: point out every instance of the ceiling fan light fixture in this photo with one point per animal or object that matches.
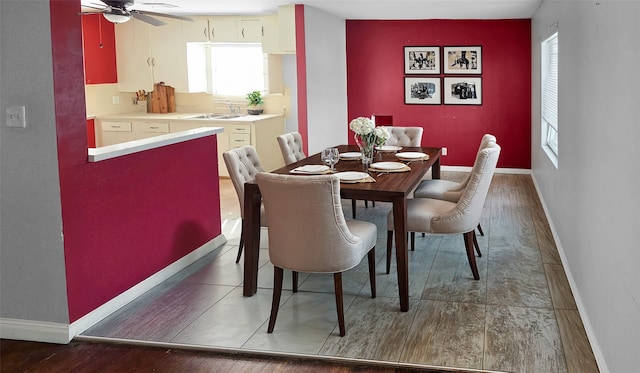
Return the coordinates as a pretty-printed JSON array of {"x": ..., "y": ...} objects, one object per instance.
[{"x": 117, "y": 18}]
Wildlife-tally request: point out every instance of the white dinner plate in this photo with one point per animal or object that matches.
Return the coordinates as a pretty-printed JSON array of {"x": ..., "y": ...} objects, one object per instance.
[
  {"x": 310, "y": 169},
  {"x": 388, "y": 148},
  {"x": 411, "y": 156},
  {"x": 350, "y": 155},
  {"x": 387, "y": 165},
  {"x": 351, "y": 176}
]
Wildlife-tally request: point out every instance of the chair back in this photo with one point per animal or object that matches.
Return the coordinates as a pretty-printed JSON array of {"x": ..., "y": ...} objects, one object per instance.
[
  {"x": 466, "y": 214},
  {"x": 404, "y": 136},
  {"x": 307, "y": 228},
  {"x": 243, "y": 165},
  {"x": 291, "y": 147},
  {"x": 486, "y": 139}
]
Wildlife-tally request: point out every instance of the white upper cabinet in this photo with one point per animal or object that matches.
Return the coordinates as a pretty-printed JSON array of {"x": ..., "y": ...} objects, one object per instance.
[
  {"x": 270, "y": 35},
  {"x": 151, "y": 54},
  {"x": 133, "y": 56},
  {"x": 287, "y": 28},
  {"x": 228, "y": 29}
]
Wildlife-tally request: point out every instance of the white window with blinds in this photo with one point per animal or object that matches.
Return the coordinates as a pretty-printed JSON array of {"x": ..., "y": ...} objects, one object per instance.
[{"x": 549, "y": 99}]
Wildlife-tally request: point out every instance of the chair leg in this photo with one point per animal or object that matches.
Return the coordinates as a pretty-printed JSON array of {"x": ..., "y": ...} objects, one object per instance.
[
  {"x": 277, "y": 292},
  {"x": 373, "y": 203},
  {"x": 294, "y": 276},
  {"x": 371, "y": 258},
  {"x": 366, "y": 204},
  {"x": 353, "y": 208},
  {"x": 389, "y": 243},
  {"x": 413, "y": 241},
  {"x": 475, "y": 244},
  {"x": 240, "y": 246},
  {"x": 480, "y": 230},
  {"x": 337, "y": 282},
  {"x": 468, "y": 243}
]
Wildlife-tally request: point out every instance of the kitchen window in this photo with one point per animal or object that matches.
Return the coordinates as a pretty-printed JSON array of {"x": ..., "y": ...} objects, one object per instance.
[
  {"x": 236, "y": 68},
  {"x": 549, "y": 97}
]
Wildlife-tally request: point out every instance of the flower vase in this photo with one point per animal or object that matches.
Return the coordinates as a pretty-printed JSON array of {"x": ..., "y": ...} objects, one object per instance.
[{"x": 367, "y": 150}]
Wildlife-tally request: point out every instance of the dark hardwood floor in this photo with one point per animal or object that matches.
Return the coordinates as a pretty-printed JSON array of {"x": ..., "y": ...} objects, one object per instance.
[{"x": 79, "y": 357}]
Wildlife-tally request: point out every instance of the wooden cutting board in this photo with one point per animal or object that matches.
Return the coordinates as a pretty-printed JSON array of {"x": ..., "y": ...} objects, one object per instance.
[{"x": 163, "y": 99}]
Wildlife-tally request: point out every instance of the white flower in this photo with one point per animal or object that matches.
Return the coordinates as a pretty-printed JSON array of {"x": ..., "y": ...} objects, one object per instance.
[
  {"x": 381, "y": 135},
  {"x": 362, "y": 125}
]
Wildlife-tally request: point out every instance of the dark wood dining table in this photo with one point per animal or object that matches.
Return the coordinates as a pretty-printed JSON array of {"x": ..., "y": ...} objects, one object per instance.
[{"x": 392, "y": 187}]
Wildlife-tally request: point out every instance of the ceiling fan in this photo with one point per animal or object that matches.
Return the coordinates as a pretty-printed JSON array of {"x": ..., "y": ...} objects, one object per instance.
[{"x": 119, "y": 11}]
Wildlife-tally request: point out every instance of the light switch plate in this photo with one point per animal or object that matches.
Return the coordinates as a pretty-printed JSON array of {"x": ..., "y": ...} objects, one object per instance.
[{"x": 15, "y": 117}]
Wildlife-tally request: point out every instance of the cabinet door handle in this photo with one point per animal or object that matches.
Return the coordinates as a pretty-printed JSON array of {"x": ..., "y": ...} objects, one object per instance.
[
  {"x": 205, "y": 32},
  {"x": 112, "y": 126},
  {"x": 153, "y": 61},
  {"x": 148, "y": 61},
  {"x": 213, "y": 32},
  {"x": 154, "y": 127},
  {"x": 262, "y": 31},
  {"x": 243, "y": 33}
]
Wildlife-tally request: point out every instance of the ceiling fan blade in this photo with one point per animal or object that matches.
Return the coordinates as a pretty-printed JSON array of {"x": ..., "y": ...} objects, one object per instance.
[
  {"x": 88, "y": 13},
  {"x": 145, "y": 18},
  {"x": 184, "y": 18}
]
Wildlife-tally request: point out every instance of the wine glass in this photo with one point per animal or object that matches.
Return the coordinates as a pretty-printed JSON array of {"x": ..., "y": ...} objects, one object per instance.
[
  {"x": 335, "y": 157},
  {"x": 330, "y": 157}
]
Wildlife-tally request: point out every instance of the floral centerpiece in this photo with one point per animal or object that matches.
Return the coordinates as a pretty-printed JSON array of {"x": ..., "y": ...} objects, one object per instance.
[{"x": 367, "y": 137}]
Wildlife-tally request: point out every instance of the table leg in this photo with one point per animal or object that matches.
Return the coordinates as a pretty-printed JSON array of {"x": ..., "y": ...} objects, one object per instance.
[
  {"x": 402, "y": 256},
  {"x": 251, "y": 231},
  {"x": 435, "y": 169}
]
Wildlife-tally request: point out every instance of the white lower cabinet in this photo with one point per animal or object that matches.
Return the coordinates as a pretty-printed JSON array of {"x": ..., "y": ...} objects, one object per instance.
[
  {"x": 114, "y": 133},
  {"x": 260, "y": 133}
]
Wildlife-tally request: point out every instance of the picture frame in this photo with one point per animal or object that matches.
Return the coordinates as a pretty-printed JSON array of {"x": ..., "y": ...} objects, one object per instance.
[
  {"x": 422, "y": 90},
  {"x": 463, "y": 60},
  {"x": 463, "y": 90},
  {"x": 422, "y": 60}
]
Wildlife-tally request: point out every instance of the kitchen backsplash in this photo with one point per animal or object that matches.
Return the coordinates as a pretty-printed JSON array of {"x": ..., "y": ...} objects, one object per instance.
[{"x": 100, "y": 101}]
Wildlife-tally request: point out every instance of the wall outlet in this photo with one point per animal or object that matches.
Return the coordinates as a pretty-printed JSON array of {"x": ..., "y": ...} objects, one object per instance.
[
  {"x": 444, "y": 151},
  {"x": 15, "y": 116},
  {"x": 115, "y": 100}
]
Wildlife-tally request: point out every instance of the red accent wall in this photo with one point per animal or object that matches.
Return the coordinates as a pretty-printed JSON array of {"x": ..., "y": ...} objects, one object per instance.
[
  {"x": 126, "y": 218},
  {"x": 375, "y": 84}
]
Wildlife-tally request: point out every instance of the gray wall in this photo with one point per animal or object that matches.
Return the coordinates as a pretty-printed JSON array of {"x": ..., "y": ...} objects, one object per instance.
[
  {"x": 326, "y": 79},
  {"x": 32, "y": 268},
  {"x": 592, "y": 198}
]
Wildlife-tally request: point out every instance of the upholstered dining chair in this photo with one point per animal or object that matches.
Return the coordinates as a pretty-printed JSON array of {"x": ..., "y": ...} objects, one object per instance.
[
  {"x": 401, "y": 136},
  {"x": 291, "y": 147},
  {"x": 449, "y": 190},
  {"x": 309, "y": 233},
  {"x": 404, "y": 136},
  {"x": 243, "y": 165},
  {"x": 438, "y": 216}
]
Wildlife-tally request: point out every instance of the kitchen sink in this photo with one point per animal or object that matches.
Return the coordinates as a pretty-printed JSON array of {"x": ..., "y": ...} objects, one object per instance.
[{"x": 214, "y": 116}]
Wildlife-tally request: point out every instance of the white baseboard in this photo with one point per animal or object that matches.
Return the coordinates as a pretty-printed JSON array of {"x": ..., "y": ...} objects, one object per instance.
[
  {"x": 40, "y": 331},
  {"x": 597, "y": 351},
  {"x": 37, "y": 331}
]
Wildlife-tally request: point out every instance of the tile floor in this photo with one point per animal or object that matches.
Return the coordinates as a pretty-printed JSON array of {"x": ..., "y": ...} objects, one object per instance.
[{"x": 519, "y": 317}]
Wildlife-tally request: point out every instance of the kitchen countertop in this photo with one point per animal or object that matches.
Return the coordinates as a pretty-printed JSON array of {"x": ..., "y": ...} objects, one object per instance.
[
  {"x": 183, "y": 116},
  {"x": 130, "y": 147}
]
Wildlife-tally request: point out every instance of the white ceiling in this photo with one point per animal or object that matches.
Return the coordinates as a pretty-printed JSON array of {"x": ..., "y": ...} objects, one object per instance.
[{"x": 354, "y": 9}]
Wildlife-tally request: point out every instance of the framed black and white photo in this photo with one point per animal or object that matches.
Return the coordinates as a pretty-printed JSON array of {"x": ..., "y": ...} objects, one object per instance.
[
  {"x": 462, "y": 90},
  {"x": 422, "y": 60},
  {"x": 425, "y": 91},
  {"x": 463, "y": 60}
]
